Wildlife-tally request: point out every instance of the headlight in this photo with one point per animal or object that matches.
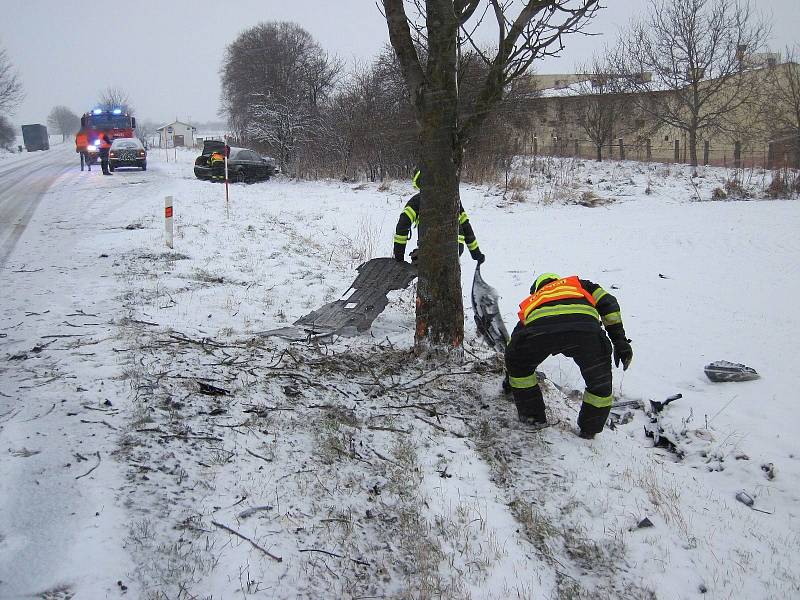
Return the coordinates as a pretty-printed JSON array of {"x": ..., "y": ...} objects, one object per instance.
[{"x": 91, "y": 148}]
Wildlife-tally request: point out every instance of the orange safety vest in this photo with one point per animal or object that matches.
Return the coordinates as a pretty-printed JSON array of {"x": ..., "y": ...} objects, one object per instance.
[
  {"x": 566, "y": 288},
  {"x": 103, "y": 143},
  {"x": 81, "y": 141}
]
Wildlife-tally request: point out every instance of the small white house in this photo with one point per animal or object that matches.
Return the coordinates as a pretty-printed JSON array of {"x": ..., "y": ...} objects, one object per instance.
[{"x": 176, "y": 134}]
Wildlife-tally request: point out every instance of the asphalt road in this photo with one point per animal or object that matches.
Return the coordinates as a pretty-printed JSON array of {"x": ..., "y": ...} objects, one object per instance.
[
  {"x": 23, "y": 185},
  {"x": 61, "y": 527}
]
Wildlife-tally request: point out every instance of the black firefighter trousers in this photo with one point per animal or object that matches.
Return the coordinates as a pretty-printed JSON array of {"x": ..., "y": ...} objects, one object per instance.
[{"x": 591, "y": 351}]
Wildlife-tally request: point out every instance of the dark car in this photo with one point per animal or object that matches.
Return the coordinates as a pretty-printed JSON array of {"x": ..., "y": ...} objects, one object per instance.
[
  {"x": 243, "y": 164},
  {"x": 127, "y": 152}
]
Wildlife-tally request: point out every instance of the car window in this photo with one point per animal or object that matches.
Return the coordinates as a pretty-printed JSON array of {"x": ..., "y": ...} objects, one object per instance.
[
  {"x": 126, "y": 144},
  {"x": 248, "y": 155}
]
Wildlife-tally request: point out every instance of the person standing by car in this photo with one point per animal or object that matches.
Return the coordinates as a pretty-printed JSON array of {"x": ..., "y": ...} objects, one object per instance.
[
  {"x": 105, "y": 147},
  {"x": 81, "y": 144}
]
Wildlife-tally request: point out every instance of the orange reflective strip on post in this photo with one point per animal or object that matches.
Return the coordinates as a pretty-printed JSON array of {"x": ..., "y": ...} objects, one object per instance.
[{"x": 168, "y": 236}]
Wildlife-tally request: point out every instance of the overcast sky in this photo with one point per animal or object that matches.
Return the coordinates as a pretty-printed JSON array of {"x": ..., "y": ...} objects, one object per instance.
[{"x": 166, "y": 53}]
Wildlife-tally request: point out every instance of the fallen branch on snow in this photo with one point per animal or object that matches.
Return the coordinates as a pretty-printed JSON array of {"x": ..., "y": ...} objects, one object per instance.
[
  {"x": 247, "y": 539},
  {"x": 358, "y": 562},
  {"x": 97, "y": 454}
]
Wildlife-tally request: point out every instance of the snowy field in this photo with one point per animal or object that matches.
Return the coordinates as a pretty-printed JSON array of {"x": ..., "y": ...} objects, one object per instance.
[{"x": 156, "y": 445}]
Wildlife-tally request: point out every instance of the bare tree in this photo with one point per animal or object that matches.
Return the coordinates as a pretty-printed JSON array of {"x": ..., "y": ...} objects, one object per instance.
[
  {"x": 524, "y": 34},
  {"x": 783, "y": 103},
  {"x": 274, "y": 80},
  {"x": 7, "y": 133},
  {"x": 113, "y": 97},
  {"x": 603, "y": 106},
  {"x": 10, "y": 85},
  {"x": 368, "y": 122},
  {"x": 63, "y": 121},
  {"x": 694, "y": 53},
  {"x": 145, "y": 130}
]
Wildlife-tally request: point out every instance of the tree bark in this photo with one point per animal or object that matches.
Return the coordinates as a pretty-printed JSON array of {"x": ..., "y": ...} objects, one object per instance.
[
  {"x": 599, "y": 153},
  {"x": 693, "y": 146},
  {"x": 440, "y": 307}
]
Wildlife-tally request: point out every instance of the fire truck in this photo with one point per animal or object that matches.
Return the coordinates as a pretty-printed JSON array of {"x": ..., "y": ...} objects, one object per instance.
[{"x": 113, "y": 122}]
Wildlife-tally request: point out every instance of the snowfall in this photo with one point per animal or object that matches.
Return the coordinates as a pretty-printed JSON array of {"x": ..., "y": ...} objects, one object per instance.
[{"x": 156, "y": 443}]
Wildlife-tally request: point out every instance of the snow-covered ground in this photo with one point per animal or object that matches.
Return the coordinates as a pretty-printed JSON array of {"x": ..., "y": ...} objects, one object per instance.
[{"x": 355, "y": 468}]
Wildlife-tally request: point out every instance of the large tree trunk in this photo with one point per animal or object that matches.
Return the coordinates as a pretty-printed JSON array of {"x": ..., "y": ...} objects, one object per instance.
[
  {"x": 693, "y": 146},
  {"x": 440, "y": 310},
  {"x": 599, "y": 153}
]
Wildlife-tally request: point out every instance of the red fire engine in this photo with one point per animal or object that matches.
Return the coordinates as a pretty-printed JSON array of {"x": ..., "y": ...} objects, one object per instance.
[{"x": 114, "y": 123}]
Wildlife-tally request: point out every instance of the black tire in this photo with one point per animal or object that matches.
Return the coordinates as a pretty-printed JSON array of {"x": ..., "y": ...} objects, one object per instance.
[{"x": 241, "y": 176}]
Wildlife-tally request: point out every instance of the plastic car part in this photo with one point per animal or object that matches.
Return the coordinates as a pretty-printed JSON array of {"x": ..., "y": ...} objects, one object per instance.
[
  {"x": 723, "y": 370},
  {"x": 489, "y": 322},
  {"x": 354, "y": 312}
]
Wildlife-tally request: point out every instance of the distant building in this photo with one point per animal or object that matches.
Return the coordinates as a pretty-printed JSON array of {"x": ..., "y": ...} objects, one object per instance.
[
  {"x": 751, "y": 135},
  {"x": 176, "y": 135}
]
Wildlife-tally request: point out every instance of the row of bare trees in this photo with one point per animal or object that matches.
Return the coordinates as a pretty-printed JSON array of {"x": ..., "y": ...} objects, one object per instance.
[
  {"x": 692, "y": 67},
  {"x": 283, "y": 94}
]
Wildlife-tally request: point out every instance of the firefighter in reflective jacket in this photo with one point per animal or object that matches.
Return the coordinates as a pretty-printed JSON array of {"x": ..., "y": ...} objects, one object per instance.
[
  {"x": 410, "y": 217},
  {"x": 563, "y": 315},
  {"x": 217, "y": 164}
]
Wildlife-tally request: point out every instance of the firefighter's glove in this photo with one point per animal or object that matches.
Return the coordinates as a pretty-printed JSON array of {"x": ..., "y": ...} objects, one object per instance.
[
  {"x": 623, "y": 353},
  {"x": 479, "y": 257}
]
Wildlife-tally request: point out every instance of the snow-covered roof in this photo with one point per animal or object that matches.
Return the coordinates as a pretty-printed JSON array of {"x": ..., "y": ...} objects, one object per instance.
[
  {"x": 574, "y": 89},
  {"x": 176, "y": 123}
]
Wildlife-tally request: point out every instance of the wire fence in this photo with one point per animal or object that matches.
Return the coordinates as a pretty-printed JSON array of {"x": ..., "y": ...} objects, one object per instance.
[{"x": 776, "y": 154}]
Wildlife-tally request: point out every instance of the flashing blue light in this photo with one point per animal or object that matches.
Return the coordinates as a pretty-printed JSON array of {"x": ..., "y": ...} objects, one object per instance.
[
  {"x": 117, "y": 111},
  {"x": 96, "y": 111}
]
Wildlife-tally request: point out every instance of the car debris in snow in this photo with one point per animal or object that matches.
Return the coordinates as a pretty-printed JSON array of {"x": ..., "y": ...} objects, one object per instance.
[
  {"x": 489, "y": 322},
  {"x": 723, "y": 370},
  {"x": 353, "y": 313}
]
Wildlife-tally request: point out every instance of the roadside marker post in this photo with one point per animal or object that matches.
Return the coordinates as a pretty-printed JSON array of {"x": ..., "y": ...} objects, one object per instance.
[
  {"x": 168, "y": 221},
  {"x": 226, "y": 152}
]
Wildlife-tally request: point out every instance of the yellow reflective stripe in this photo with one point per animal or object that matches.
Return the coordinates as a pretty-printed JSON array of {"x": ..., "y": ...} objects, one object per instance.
[
  {"x": 415, "y": 179},
  {"x": 560, "y": 292},
  {"x": 599, "y": 293},
  {"x": 612, "y": 318},
  {"x": 473, "y": 245},
  {"x": 462, "y": 218},
  {"x": 412, "y": 214},
  {"x": 597, "y": 401},
  {"x": 522, "y": 383},
  {"x": 400, "y": 239},
  {"x": 561, "y": 309},
  {"x": 461, "y": 239}
]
